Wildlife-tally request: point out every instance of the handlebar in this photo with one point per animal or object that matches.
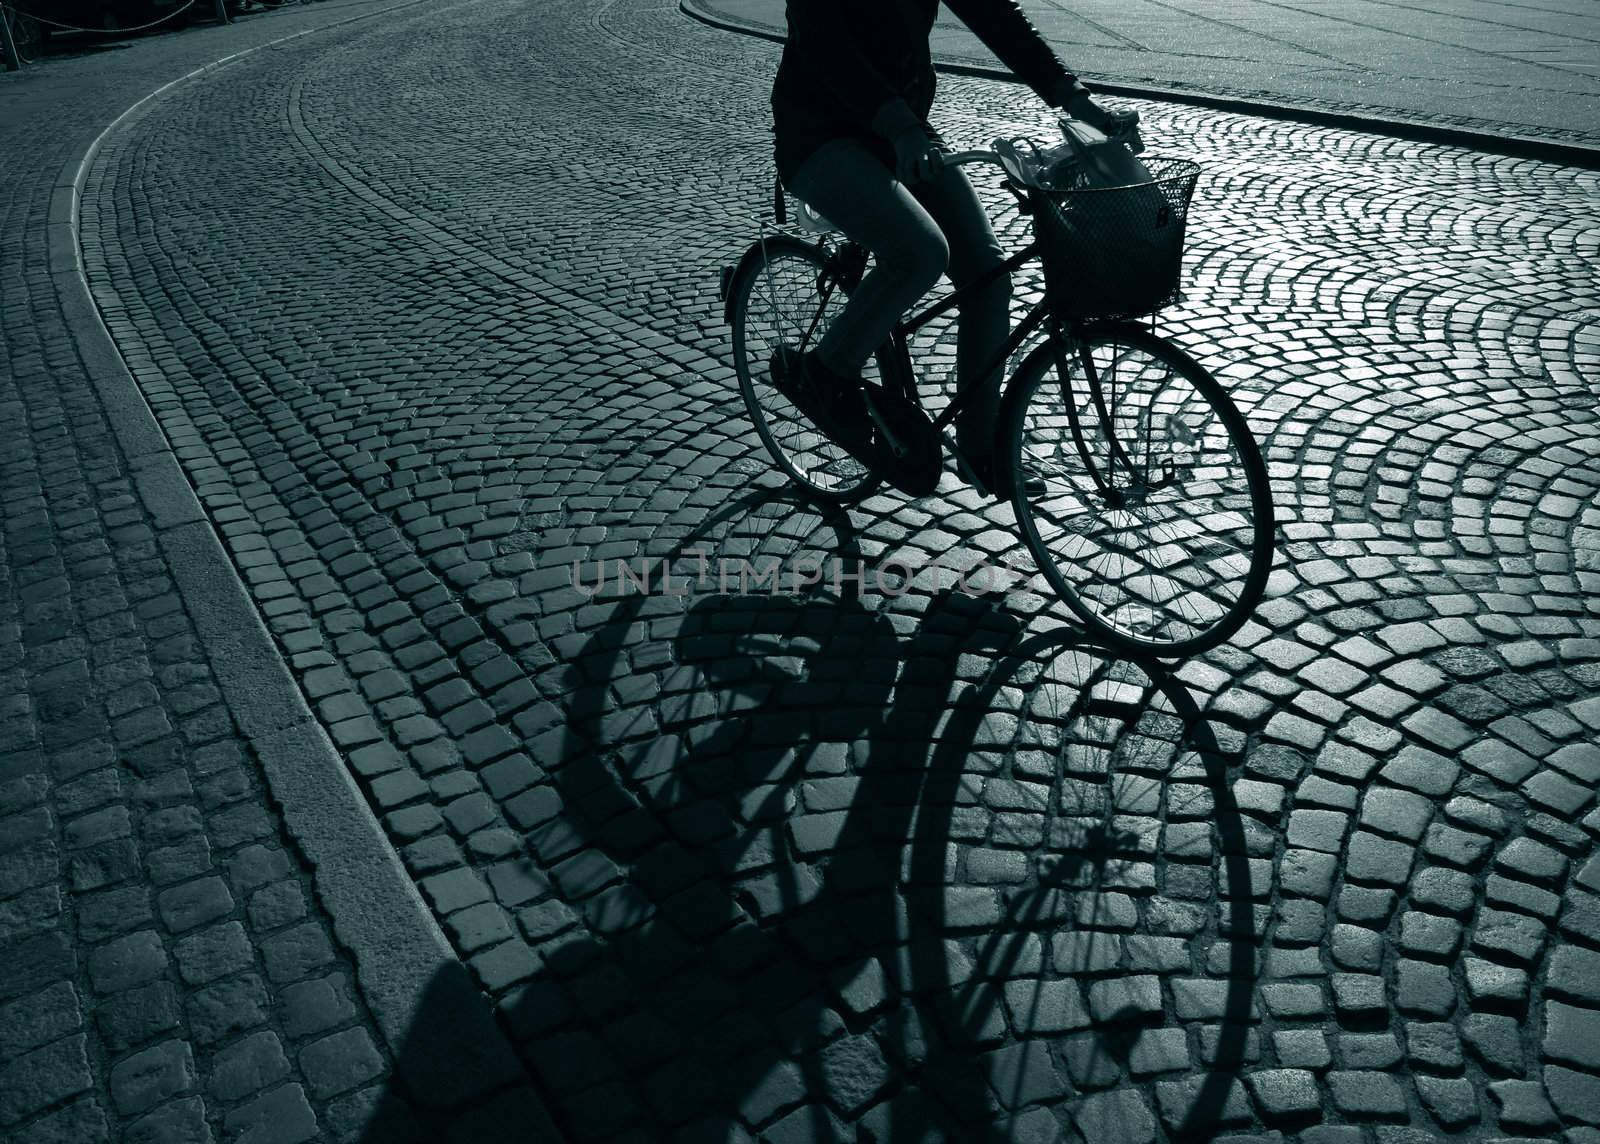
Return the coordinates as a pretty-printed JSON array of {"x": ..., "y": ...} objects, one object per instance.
[
  {"x": 1006, "y": 155},
  {"x": 961, "y": 158}
]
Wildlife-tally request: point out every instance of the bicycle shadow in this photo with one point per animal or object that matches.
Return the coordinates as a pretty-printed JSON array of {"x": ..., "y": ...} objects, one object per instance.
[
  {"x": 761, "y": 912},
  {"x": 765, "y": 674},
  {"x": 1149, "y": 751}
]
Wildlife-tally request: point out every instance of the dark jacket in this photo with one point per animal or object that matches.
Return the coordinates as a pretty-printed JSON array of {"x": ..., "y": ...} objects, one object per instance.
[{"x": 863, "y": 69}]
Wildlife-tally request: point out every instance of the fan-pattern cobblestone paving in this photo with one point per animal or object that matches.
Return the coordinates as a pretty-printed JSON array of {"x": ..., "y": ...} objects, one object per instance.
[{"x": 429, "y": 313}]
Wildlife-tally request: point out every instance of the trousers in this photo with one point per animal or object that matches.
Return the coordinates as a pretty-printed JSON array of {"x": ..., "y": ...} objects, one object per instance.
[{"x": 915, "y": 234}]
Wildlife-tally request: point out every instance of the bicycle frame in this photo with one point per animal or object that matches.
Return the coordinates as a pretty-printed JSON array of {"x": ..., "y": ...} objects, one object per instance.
[
  {"x": 848, "y": 261},
  {"x": 1035, "y": 319},
  {"x": 1038, "y": 317}
]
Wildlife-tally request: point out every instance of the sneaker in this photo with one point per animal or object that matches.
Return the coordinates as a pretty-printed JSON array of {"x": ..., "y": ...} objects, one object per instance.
[{"x": 832, "y": 402}]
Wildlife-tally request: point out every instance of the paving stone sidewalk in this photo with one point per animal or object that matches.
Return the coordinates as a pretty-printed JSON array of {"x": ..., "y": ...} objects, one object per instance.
[
  {"x": 429, "y": 311},
  {"x": 1493, "y": 68}
]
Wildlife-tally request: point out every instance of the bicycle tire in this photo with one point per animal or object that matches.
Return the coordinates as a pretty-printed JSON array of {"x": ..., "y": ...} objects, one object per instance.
[
  {"x": 1149, "y": 571},
  {"x": 774, "y": 299}
]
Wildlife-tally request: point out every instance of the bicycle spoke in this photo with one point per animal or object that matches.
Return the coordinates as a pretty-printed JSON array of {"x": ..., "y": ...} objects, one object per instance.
[
  {"x": 1148, "y": 521},
  {"x": 1046, "y": 468},
  {"x": 781, "y": 306}
]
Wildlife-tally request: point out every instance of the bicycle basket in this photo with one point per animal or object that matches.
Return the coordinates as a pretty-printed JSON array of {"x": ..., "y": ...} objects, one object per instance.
[{"x": 1114, "y": 252}]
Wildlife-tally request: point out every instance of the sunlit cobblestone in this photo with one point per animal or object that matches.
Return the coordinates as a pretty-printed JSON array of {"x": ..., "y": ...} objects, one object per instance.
[{"x": 429, "y": 314}]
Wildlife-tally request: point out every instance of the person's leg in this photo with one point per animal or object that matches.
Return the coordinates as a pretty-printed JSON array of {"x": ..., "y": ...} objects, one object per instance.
[
  {"x": 985, "y": 315},
  {"x": 853, "y": 189}
]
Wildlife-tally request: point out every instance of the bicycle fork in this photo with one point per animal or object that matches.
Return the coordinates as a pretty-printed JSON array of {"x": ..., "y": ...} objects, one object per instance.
[{"x": 1139, "y": 481}]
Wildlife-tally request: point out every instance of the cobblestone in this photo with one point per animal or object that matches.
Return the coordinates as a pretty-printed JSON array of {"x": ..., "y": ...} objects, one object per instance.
[
  {"x": 247, "y": 1066},
  {"x": 1283, "y": 1094},
  {"x": 1569, "y": 1034},
  {"x": 152, "y": 1076},
  {"x": 1496, "y": 1041},
  {"x": 219, "y": 1010},
  {"x": 38, "y": 1079},
  {"x": 1452, "y": 1102},
  {"x": 340, "y": 1062},
  {"x": 282, "y": 1116},
  {"x": 385, "y": 435},
  {"x": 123, "y": 788},
  {"x": 135, "y": 1015}
]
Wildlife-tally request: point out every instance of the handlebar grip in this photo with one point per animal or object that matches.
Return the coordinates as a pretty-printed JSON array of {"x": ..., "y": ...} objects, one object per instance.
[{"x": 959, "y": 158}]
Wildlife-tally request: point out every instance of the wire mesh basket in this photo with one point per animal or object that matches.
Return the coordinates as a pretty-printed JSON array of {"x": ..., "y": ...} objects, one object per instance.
[{"x": 1115, "y": 252}]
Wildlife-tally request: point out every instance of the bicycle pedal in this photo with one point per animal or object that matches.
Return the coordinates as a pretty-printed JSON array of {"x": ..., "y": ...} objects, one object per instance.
[{"x": 910, "y": 448}]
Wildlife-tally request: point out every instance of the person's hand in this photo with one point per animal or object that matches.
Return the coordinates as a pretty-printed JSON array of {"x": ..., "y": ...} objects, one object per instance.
[
  {"x": 1112, "y": 122},
  {"x": 917, "y": 156}
]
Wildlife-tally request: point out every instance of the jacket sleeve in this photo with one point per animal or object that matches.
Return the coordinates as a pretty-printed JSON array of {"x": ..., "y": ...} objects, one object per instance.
[
  {"x": 1007, "y": 32},
  {"x": 823, "y": 26}
]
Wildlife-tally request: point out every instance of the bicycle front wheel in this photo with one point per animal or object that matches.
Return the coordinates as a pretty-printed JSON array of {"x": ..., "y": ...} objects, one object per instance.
[
  {"x": 781, "y": 297},
  {"x": 1150, "y": 512}
]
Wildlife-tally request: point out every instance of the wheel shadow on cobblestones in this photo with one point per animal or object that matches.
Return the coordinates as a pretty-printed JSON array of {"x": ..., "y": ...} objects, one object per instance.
[
  {"x": 793, "y": 892},
  {"x": 1099, "y": 862}
]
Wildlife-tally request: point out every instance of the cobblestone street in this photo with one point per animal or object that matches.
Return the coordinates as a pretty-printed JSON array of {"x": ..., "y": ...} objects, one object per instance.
[{"x": 427, "y": 309}]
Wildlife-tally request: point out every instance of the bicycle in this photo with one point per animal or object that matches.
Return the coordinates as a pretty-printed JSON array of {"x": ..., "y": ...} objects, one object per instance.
[
  {"x": 1136, "y": 483},
  {"x": 24, "y": 36}
]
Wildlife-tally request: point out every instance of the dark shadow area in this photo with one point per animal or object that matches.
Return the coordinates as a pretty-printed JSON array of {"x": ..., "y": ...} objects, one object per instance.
[
  {"x": 844, "y": 873},
  {"x": 84, "y": 28},
  {"x": 456, "y": 1080},
  {"x": 74, "y": 45}
]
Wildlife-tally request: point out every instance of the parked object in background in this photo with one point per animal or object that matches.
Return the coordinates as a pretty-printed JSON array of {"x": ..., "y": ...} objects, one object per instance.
[
  {"x": 21, "y": 37},
  {"x": 34, "y": 22}
]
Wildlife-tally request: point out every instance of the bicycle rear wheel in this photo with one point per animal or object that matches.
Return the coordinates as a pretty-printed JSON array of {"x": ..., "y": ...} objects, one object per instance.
[
  {"x": 777, "y": 300},
  {"x": 1151, "y": 515}
]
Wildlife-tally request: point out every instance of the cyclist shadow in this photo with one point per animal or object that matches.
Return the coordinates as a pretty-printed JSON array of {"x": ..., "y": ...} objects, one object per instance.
[
  {"x": 805, "y": 729},
  {"x": 762, "y": 872}
]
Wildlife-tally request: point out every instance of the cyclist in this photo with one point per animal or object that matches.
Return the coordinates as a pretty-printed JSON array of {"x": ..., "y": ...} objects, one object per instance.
[{"x": 850, "y": 119}]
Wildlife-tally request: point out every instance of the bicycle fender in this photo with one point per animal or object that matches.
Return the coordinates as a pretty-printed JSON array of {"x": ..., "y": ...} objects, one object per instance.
[
  {"x": 750, "y": 263},
  {"x": 747, "y": 264}
]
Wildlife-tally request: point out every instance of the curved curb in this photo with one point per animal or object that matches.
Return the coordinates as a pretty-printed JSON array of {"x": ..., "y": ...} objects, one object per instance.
[
  {"x": 401, "y": 955},
  {"x": 1416, "y": 131}
]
